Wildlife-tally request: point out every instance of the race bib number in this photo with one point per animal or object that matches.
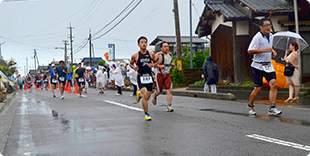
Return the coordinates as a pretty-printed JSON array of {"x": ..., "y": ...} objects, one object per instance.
[
  {"x": 29, "y": 81},
  {"x": 62, "y": 78},
  {"x": 166, "y": 70},
  {"x": 45, "y": 81},
  {"x": 267, "y": 68},
  {"x": 38, "y": 81},
  {"x": 81, "y": 79},
  {"x": 146, "y": 79},
  {"x": 54, "y": 81}
]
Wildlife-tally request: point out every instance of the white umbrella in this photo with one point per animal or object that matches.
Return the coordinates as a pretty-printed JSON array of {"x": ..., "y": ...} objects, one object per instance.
[{"x": 282, "y": 40}]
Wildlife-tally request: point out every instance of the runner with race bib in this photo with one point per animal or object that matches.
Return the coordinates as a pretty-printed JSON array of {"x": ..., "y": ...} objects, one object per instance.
[
  {"x": 53, "y": 77},
  {"x": 145, "y": 61},
  {"x": 79, "y": 76},
  {"x": 62, "y": 73}
]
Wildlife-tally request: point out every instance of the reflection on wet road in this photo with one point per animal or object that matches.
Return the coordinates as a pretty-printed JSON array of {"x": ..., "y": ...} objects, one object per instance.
[{"x": 273, "y": 118}]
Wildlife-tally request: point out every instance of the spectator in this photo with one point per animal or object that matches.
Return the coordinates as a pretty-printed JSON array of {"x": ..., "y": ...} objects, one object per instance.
[
  {"x": 210, "y": 73},
  {"x": 291, "y": 58}
]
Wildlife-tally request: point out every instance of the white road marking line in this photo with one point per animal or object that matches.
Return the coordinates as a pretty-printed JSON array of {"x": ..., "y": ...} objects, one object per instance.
[
  {"x": 1, "y": 154},
  {"x": 280, "y": 142},
  {"x": 125, "y": 106},
  {"x": 308, "y": 154}
]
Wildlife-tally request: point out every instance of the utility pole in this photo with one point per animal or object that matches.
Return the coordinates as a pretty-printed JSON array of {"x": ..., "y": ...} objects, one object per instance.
[
  {"x": 177, "y": 33},
  {"x": 65, "y": 57},
  {"x": 34, "y": 58},
  {"x": 71, "y": 40},
  {"x": 26, "y": 65},
  {"x": 0, "y": 50},
  {"x": 190, "y": 31},
  {"x": 90, "y": 60}
]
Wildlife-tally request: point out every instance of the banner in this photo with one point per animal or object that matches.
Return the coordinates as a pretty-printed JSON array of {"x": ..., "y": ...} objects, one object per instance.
[{"x": 111, "y": 48}]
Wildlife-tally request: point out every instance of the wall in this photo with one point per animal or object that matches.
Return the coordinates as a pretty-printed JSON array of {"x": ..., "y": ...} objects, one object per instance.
[
  {"x": 190, "y": 76},
  {"x": 219, "y": 21},
  {"x": 277, "y": 27},
  {"x": 222, "y": 52}
]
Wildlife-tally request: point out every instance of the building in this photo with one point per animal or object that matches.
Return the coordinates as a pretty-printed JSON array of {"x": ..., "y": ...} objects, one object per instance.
[
  {"x": 233, "y": 23},
  {"x": 95, "y": 60},
  {"x": 198, "y": 44}
]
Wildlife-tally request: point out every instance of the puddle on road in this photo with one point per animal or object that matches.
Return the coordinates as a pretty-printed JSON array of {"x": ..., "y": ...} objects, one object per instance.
[{"x": 272, "y": 118}]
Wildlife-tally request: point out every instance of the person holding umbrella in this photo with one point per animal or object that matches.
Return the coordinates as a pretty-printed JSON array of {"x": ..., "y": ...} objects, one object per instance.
[
  {"x": 291, "y": 57},
  {"x": 261, "y": 48}
]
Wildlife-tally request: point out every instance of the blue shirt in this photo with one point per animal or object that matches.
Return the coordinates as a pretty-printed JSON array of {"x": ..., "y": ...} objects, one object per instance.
[{"x": 52, "y": 74}]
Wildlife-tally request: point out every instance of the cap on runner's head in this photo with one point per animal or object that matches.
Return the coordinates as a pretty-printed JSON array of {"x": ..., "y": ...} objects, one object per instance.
[{"x": 53, "y": 65}]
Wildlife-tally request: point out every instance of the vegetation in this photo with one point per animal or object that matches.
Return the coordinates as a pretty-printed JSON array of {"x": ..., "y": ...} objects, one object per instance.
[
  {"x": 8, "y": 67},
  {"x": 198, "y": 60}
]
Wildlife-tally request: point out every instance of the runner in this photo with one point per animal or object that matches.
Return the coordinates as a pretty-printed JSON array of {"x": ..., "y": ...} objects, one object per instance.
[
  {"x": 45, "y": 81},
  {"x": 53, "y": 78},
  {"x": 144, "y": 60},
  {"x": 80, "y": 78},
  {"x": 261, "y": 48},
  {"x": 62, "y": 72},
  {"x": 163, "y": 78},
  {"x": 38, "y": 80}
]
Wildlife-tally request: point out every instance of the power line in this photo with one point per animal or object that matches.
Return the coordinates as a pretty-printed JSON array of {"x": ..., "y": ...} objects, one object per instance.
[
  {"x": 114, "y": 18},
  {"x": 119, "y": 21},
  {"x": 89, "y": 17},
  {"x": 144, "y": 18}
]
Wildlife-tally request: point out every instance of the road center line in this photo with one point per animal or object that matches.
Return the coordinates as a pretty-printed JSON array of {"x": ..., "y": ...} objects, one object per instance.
[
  {"x": 123, "y": 105},
  {"x": 280, "y": 142}
]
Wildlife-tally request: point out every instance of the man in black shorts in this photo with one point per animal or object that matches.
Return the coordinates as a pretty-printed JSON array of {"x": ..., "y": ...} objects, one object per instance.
[
  {"x": 79, "y": 76},
  {"x": 145, "y": 61},
  {"x": 62, "y": 72}
]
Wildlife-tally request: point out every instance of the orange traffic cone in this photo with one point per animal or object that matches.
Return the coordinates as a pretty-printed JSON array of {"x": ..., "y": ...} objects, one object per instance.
[
  {"x": 69, "y": 88},
  {"x": 28, "y": 86},
  {"x": 76, "y": 89},
  {"x": 56, "y": 86},
  {"x": 36, "y": 86},
  {"x": 25, "y": 86},
  {"x": 48, "y": 85},
  {"x": 16, "y": 87},
  {"x": 66, "y": 87}
]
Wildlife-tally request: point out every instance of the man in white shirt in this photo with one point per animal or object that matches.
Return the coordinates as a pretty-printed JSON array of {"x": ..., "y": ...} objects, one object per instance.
[{"x": 261, "y": 48}]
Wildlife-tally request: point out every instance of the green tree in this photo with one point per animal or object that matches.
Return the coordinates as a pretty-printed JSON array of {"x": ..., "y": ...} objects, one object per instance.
[
  {"x": 8, "y": 67},
  {"x": 101, "y": 63}
]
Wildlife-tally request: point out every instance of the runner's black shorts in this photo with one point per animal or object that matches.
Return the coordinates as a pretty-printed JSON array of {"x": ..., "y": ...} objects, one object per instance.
[
  {"x": 64, "y": 80},
  {"x": 53, "y": 82},
  {"x": 149, "y": 86},
  {"x": 259, "y": 74},
  {"x": 80, "y": 83}
]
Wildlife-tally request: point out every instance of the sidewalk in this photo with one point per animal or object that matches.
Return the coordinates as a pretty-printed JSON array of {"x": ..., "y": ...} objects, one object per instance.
[{"x": 7, "y": 101}]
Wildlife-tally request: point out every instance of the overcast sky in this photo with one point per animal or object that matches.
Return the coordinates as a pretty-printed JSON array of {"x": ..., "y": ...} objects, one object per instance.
[{"x": 42, "y": 25}]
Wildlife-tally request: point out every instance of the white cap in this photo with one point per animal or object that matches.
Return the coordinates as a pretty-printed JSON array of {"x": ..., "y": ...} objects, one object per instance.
[{"x": 53, "y": 65}]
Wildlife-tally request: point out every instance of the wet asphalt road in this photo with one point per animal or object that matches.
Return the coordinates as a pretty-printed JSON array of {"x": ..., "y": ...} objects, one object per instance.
[{"x": 105, "y": 125}]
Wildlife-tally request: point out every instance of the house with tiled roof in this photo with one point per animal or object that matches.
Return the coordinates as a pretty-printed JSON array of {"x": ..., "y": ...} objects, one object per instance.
[{"x": 232, "y": 24}]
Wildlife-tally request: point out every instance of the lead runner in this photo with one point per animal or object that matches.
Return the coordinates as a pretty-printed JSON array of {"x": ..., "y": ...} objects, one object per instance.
[{"x": 145, "y": 61}]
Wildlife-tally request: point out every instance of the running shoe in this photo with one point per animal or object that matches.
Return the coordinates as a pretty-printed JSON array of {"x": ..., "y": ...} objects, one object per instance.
[
  {"x": 251, "y": 110},
  {"x": 154, "y": 101},
  {"x": 54, "y": 95},
  {"x": 138, "y": 97},
  {"x": 118, "y": 94},
  {"x": 148, "y": 117},
  {"x": 274, "y": 111},
  {"x": 62, "y": 97},
  {"x": 170, "y": 109}
]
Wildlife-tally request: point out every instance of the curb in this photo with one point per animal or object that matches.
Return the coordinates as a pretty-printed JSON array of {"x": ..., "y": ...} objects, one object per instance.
[
  {"x": 7, "y": 101},
  {"x": 199, "y": 94},
  {"x": 217, "y": 96}
]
